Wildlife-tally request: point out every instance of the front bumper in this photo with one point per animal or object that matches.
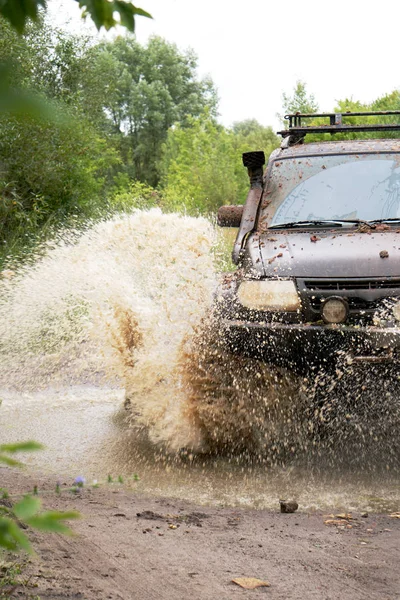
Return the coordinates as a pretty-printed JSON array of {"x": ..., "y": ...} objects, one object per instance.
[{"x": 307, "y": 345}]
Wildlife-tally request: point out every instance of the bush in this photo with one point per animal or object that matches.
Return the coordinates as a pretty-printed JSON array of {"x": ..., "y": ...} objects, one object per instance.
[{"x": 133, "y": 194}]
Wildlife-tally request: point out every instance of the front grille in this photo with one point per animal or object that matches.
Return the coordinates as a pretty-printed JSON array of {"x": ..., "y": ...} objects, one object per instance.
[
  {"x": 320, "y": 285},
  {"x": 357, "y": 304},
  {"x": 366, "y": 297}
]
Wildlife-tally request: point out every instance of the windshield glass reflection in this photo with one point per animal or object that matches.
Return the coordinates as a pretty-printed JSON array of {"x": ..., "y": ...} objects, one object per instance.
[{"x": 356, "y": 189}]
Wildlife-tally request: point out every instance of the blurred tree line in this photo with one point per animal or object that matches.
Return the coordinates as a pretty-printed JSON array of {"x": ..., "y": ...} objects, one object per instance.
[{"x": 124, "y": 126}]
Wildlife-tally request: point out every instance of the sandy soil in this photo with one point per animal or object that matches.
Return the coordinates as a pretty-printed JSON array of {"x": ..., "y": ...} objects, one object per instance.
[{"x": 128, "y": 546}]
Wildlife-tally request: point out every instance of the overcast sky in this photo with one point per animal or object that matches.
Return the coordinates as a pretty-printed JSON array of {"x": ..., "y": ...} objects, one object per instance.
[{"x": 256, "y": 50}]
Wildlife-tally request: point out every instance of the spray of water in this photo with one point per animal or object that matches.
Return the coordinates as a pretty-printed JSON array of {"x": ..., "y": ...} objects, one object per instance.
[
  {"x": 111, "y": 307},
  {"x": 128, "y": 303}
]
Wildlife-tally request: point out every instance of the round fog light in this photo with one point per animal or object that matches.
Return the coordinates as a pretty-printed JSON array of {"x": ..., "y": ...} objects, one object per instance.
[{"x": 335, "y": 310}]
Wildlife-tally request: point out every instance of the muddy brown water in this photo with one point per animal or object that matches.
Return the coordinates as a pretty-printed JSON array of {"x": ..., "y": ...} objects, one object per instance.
[
  {"x": 119, "y": 313},
  {"x": 85, "y": 433}
]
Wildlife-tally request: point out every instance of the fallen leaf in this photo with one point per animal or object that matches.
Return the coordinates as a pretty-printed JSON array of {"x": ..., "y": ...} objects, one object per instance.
[
  {"x": 250, "y": 583},
  {"x": 314, "y": 238},
  {"x": 344, "y": 516},
  {"x": 395, "y": 515},
  {"x": 336, "y": 522}
]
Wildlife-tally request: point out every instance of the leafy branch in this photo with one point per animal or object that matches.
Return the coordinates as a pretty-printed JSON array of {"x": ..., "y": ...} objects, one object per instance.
[
  {"x": 26, "y": 512},
  {"x": 102, "y": 12}
]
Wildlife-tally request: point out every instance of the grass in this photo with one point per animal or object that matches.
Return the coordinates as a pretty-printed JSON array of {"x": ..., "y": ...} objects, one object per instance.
[{"x": 11, "y": 577}]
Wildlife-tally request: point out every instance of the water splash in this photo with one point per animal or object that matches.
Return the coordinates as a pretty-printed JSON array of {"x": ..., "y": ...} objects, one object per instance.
[
  {"x": 112, "y": 307},
  {"x": 127, "y": 304}
]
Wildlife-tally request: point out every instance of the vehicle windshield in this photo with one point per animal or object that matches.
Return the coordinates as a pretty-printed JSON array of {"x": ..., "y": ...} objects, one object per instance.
[{"x": 318, "y": 188}]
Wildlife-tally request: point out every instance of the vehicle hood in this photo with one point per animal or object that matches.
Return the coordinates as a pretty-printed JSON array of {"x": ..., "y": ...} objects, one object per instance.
[{"x": 325, "y": 253}]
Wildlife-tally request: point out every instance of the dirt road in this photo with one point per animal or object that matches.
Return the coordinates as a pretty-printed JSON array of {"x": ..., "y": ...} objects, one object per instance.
[{"x": 128, "y": 546}]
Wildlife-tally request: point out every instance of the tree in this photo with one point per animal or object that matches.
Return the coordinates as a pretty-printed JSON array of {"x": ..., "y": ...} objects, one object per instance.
[
  {"x": 199, "y": 166},
  {"x": 102, "y": 12},
  {"x": 250, "y": 135},
  {"x": 55, "y": 163},
  {"x": 300, "y": 101},
  {"x": 145, "y": 90},
  {"x": 202, "y": 165}
]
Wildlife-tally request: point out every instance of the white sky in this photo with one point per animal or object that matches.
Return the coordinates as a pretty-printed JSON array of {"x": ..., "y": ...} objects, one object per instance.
[{"x": 256, "y": 50}]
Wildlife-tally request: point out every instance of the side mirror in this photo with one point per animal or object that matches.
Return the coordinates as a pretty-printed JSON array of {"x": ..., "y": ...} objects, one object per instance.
[{"x": 230, "y": 216}]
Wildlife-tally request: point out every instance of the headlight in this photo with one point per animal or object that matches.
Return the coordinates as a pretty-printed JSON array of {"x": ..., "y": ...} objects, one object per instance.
[
  {"x": 396, "y": 311},
  {"x": 269, "y": 294}
]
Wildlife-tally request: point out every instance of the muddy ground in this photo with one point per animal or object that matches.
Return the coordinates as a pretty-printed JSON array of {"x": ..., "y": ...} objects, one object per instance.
[{"x": 128, "y": 546}]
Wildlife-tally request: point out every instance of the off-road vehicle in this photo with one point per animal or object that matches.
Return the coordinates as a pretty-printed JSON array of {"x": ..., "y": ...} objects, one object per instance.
[{"x": 318, "y": 247}]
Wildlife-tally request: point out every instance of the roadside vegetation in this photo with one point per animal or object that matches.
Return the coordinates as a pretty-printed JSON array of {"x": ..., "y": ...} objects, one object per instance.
[{"x": 97, "y": 127}]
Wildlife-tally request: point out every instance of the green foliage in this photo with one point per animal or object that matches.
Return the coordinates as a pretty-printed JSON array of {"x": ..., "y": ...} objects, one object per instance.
[
  {"x": 11, "y": 449},
  {"x": 9, "y": 573},
  {"x": 198, "y": 167},
  {"x": 82, "y": 125},
  {"x": 17, "y": 12},
  {"x": 55, "y": 165},
  {"x": 28, "y": 510},
  {"x": 300, "y": 101},
  {"x": 387, "y": 102},
  {"x": 134, "y": 195},
  {"x": 50, "y": 170},
  {"x": 145, "y": 90},
  {"x": 202, "y": 163},
  {"x": 250, "y": 135},
  {"x": 102, "y": 12}
]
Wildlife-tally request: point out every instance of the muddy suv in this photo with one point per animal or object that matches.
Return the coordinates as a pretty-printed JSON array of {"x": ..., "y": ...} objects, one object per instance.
[{"x": 318, "y": 249}]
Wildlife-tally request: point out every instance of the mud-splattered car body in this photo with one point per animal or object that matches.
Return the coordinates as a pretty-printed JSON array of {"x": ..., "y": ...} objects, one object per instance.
[{"x": 318, "y": 255}]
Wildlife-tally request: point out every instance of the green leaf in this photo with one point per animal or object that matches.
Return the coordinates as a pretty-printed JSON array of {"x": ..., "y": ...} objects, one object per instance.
[
  {"x": 126, "y": 14},
  {"x": 141, "y": 12},
  {"x": 29, "y": 446},
  {"x": 100, "y": 11},
  {"x": 26, "y": 508},
  {"x": 10, "y": 462},
  {"x": 18, "y": 11},
  {"x": 51, "y": 521},
  {"x": 11, "y": 537}
]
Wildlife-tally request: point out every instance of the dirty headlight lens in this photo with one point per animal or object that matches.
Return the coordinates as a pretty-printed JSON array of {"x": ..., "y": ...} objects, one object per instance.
[
  {"x": 396, "y": 311},
  {"x": 269, "y": 294}
]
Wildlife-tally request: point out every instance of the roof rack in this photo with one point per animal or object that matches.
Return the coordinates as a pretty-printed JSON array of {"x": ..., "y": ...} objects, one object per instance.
[{"x": 297, "y": 130}]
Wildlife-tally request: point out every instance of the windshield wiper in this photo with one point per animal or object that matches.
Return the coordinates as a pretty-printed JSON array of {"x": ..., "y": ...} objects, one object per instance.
[
  {"x": 329, "y": 223},
  {"x": 391, "y": 220}
]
